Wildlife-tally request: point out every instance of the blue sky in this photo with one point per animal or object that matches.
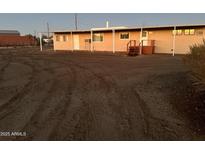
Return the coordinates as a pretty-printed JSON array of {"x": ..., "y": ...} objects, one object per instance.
[{"x": 28, "y": 23}]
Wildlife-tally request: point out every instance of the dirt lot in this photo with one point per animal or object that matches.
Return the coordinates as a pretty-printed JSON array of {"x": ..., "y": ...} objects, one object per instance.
[{"x": 84, "y": 96}]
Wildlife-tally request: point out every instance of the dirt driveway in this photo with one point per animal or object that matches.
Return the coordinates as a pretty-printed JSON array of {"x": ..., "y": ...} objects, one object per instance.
[{"x": 84, "y": 96}]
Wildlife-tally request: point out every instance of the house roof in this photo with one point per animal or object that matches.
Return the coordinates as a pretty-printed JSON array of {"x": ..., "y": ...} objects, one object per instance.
[
  {"x": 9, "y": 32},
  {"x": 132, "y": 28},
  {"x": 74, "y": 31}
]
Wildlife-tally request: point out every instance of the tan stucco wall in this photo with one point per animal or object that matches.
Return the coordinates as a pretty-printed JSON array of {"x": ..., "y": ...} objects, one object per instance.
[
  {"x": 83, "y": 45},
  {"x": 183, "y": 42},
  {"x": 61, "y": 45},
  {"x": 163, "y": 41},
  {"x": 121, "y": 45},
  {"x": 105, "y": 45}
]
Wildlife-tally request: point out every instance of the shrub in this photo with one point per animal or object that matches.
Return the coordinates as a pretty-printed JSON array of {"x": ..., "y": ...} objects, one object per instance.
[
  {"x": 196, "y": 58},
  {"x": 197, "y": 50}
]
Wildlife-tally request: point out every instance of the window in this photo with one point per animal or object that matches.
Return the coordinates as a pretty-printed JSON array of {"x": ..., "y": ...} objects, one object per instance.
[
  {"x": 144, "y": 34},
  {"x": 98, "y": 37},
  {"x": 186, "y": 32},
  {"x": 124, "y": 36},
  {"x": 65, "y": 38},
  {"x": 199, "y": 32},
  {"x": 61, "y": 38},
  {"x": 88, "y": 40},
  {"x": 57, "y": 38},
  {"x": 192, "y": 31},
  {"x": 177, "y": 32},
  {"x": 189, "y": 32}
]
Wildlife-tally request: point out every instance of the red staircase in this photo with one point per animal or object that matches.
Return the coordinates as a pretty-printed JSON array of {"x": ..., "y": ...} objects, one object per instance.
[{"x": 133, "y": 48}]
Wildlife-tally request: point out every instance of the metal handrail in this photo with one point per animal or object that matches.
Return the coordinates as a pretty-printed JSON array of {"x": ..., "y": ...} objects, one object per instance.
[{"x": 130, "y": 44}]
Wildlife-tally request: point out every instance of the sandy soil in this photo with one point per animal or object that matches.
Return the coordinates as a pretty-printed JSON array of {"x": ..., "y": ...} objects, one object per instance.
[{"x": 84, "y": 96}]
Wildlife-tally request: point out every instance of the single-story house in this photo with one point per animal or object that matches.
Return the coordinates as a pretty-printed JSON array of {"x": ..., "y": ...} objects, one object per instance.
[{"x": 157, "y": 39}]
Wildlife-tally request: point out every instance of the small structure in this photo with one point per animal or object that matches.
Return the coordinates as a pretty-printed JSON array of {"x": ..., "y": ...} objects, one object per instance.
[
  {"x": 9, "y": 33},
  {"x": 12, "y": 38}
]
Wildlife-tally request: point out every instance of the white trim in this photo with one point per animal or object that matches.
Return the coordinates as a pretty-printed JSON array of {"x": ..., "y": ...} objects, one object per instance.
[
  {"x": 72, "y": 40},
  {"x": 141, "y": 40},
  {"x": 145, "y": 39},
  {"x": 91, "y": 41},
  {"x": 113, "y": 41},
  {"x": 174, "y": 42},
  {"x": 41, "y": 46}
]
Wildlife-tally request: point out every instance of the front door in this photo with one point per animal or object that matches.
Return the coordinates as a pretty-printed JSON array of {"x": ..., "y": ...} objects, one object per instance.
[
  {"x": 144, "y": 38},
  {"x": 76, "y": 45}
]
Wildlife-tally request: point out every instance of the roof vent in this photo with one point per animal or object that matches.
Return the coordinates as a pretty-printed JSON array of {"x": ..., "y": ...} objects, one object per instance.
[{"x": 107, "y": 24}]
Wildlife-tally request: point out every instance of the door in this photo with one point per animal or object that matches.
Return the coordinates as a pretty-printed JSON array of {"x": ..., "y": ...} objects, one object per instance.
[
  {"x": 144, "y": 37},
  {"x": 76, "y": 44},
  {"x": 87, "y": 44}
]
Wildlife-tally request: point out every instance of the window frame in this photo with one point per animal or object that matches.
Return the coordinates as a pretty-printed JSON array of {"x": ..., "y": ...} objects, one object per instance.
[
  {"x": 199, "y": 32},
  {"x": 186, "y": 33},
  {"x": 61, "y": 38},
  {"x": 189, "y": 31},
  {"x": 57, "y": 38},
  {"x": 125, "y": 38},
  {"x": 65, "y": 38},
  {"x": 145, "y": 32},
  {"x": 176, "y": 32},
  {"x": 98, "y": 40}
]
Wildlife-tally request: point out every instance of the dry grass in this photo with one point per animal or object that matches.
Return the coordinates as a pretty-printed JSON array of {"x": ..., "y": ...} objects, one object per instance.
[{"x": 196, "y": 59}]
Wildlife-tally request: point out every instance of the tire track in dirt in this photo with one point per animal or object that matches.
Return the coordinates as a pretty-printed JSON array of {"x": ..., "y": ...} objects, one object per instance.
[
  {"x": 15, "y": 101},
  {"x": 148, "y": 118},
  {"x": 121, "y": 109},
  {"x": 33, "y": 120},
  {"x": 55, "y": 111},
  {"x": 84, "y": 118},
  {"x": 57, "y": 131},
  {"x": 159, "y": 128},
  {"x": 83, "y": 112},
  {"x": 108, "y": 85},
  {"x": 145, "y": 112},
  {"x": 65, "y": 121},
  {"x": 168, "y": 128},
  {"x": 8, "y": 59},
  {"x": 87, "y": 122},
  {"x": 124, "y": 108}
]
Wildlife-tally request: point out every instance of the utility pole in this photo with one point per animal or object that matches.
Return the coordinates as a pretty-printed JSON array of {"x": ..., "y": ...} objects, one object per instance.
[
  {"x": 48, "y": 29},
  {"x": 76, "y": 21},
  {"x": 34, "y": 33},
  {"x": 40, "y": 39}
]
